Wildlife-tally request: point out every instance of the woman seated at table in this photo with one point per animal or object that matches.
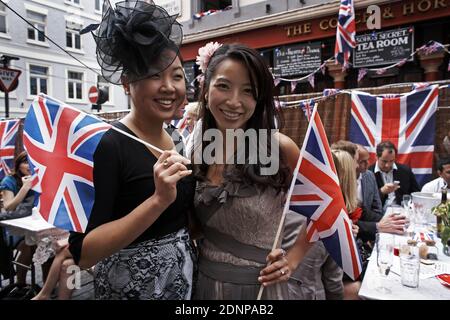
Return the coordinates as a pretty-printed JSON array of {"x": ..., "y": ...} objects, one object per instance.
[{"x": 17, "y": 196}]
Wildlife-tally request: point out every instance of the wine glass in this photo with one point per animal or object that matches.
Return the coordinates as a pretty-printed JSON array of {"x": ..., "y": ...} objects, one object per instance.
[
  {"x": 408, "y": 212},
  {"x": 385, "y": 258}
]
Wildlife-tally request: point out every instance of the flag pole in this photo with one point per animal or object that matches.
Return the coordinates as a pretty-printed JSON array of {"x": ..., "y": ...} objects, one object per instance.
[
  {"x": 291, "y": 189},
  {"x": 117, "y": 129},
  {"x": 137, "y": 139}
]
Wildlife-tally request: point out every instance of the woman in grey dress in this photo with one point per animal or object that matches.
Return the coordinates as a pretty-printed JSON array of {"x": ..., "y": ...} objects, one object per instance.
[{"x": 239, "y": 206}]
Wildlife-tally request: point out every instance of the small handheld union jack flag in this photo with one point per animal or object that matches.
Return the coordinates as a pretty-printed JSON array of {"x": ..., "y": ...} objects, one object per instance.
[
  {"x": 317, "y": 195},
  {"x": 345, "y": 33},
  {"x": 61, "y": 142},
  {"x": 8, "y": 135}
]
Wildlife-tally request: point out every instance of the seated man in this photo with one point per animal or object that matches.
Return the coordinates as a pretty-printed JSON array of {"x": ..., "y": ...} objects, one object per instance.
[
  {"x": 393, "y": 179},
  {"x": 443, "y": 171}
]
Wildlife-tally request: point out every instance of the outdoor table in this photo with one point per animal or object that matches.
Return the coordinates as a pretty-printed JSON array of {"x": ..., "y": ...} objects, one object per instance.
[
  {"x": 429, "y": 288},
  {"x": 36, "y": 232}
]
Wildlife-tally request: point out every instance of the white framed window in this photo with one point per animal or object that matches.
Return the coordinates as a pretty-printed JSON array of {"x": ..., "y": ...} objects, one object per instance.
[
  {"x": 38, "y": 81},
  {"x": 98, "y": 6},
  {"x": 39, "y": 21},
  {"x": 3, "y": 25},
  {"x": 73, "y": 38},
  {"x": 75, "y": 85},
  {"x": 74, "y": 2},
  {"x": 102, "y": 83}
]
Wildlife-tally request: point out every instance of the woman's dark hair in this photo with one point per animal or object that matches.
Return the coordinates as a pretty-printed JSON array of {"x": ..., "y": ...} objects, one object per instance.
[
  {"x": 21, "y": 158},
  {"x": 264, "y": 116}
]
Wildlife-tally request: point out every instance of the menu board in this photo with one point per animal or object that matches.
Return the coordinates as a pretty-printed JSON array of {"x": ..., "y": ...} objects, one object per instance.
[
  {"x": 297, "y": 59},
  {"x": 383, "y": 47}
]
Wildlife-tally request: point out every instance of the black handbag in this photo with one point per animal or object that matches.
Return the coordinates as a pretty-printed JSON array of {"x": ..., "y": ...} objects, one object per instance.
[{"x": 24, "y": 209}]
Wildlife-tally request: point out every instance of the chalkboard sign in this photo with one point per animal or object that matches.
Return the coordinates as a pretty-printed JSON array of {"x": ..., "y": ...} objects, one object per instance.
[
  {"x": 297, "y": 59},
  {"x": 383, "y": 47}
]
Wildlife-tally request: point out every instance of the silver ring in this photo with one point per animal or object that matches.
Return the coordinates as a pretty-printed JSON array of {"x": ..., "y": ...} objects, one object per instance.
[
  {"x": 282, "y": 272},
  {"x": 283, "y": 253}
]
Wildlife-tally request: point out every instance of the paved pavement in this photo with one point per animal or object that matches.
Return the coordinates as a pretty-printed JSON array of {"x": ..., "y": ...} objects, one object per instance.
[{"x": 86, "y": 292}]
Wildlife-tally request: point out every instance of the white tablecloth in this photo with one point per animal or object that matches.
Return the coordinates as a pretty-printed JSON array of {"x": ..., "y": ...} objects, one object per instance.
[
  {"x": 429, "y": 288},
  {"x": 37, "y": 232}
]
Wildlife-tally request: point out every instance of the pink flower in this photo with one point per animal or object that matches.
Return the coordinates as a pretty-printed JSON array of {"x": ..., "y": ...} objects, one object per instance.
[{"x": 205, "y": 53}]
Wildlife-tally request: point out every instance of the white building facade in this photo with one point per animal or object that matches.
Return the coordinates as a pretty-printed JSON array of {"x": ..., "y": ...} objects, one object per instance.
[{"x": 45, "y": 67}]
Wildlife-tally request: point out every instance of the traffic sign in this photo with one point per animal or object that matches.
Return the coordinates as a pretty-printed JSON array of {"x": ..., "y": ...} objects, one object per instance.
[
  {"x": 8, "y": 79},
  {"x": 93, "y": 94}
]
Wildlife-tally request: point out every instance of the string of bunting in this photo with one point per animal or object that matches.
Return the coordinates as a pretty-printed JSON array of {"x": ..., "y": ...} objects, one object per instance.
[
  {"x": 427, "y": 49},
  {"x": 309, "y": 103}
]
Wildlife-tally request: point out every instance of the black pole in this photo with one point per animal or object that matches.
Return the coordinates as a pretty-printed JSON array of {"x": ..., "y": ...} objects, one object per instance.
[
  {"x": 6, "y": 104},
  {"x": 5, "y": 60},
  {"x": 5, "y": 65}
]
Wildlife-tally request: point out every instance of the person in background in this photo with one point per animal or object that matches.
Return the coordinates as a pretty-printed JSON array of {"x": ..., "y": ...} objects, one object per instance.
[
  {"x": 368, "y": 195},
  {"x": 443, "y": 181},
  {"x": 192, "y": 113},
  {"x": 370, "y": 221},
  {"x": 17, "y": 195},
  {"x": 318, "y": 277},
  {"x": 446, "y": 144},
  {"x": 393, "y": 179},
  {"x": 58, "y": 274}
]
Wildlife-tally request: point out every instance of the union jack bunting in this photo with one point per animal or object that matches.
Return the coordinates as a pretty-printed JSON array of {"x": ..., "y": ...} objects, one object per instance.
[
  {"x": 406, "y": 120},
  {"x": 345, "y": 33},
  {"x": 8, "y": 135},
  {"x": 423, "y": 236},
  {"x": 307, "y": 107},
  {"x": 330, "y": 92},
  {"x": 317, "y": 195},
  {"x": 61, "y": 142}
]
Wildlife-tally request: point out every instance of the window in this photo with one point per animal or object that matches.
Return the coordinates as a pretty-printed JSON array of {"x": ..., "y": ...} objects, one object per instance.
[
  {"x": 98, "y": 5},
  {"x": 38, "y": 80},
  {"x": 215, "y": 4},
  {"x": 2, "y": 18},
  {"x": 73, "y": 39},
  {"x": 75, "y": 85},
  {"x": 77, "y": 2},
  {"x": 38, "y": 20},
  {"x": 103, "y": 84}
]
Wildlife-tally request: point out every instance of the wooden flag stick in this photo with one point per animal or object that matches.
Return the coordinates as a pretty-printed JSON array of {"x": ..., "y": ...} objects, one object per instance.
[
  {"x": 138, "y": 140},
  {"x": 291, "y": 189}
]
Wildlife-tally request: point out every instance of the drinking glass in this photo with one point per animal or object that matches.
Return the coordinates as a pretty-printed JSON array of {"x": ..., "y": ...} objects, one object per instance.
[{"x": 385, "y": 258}]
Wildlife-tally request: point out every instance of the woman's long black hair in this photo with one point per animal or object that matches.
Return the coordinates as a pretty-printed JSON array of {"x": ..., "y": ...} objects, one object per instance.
[{"x": 264, "y": 116}]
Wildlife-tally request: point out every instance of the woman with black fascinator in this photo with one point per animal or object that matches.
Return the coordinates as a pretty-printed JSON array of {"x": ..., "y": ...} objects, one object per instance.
[{"x": 137, "y": 235}]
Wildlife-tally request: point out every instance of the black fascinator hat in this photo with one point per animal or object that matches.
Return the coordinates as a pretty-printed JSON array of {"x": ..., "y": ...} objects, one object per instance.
[{"x": 135, "y": 40}]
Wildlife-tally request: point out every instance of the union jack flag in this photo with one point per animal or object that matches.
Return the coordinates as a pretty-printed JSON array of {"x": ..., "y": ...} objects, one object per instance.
[
  {"x": 307, "y": 107},
  {"x": 316, "y": 194},
  {"x": 8, "y": 134},
  {"x": 61, "y": 142},
  {"x": 345, "y": 32},
  {"x": 408, "y": 121}
]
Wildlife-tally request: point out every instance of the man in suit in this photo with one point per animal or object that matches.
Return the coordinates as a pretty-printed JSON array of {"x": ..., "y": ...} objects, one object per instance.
[
  {"x": 368, "y": 194},
  {"x": 393, "y": 179}
]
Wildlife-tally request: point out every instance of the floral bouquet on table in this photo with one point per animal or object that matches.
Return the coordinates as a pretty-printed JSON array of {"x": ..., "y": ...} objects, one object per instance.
[{"x": 442, "y": 211}]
